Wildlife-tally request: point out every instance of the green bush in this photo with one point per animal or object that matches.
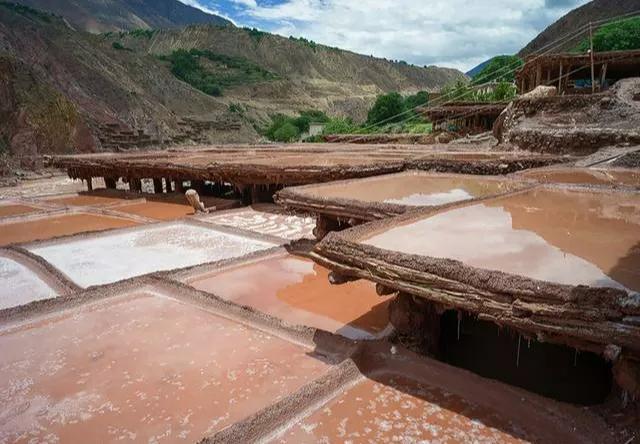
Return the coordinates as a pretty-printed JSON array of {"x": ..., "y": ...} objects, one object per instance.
[
  {"x": 26, "y": 10},
  {"x": 228, "y": 72},
  {"x": 339, "y": 126},
  {"x": 617, "y": 36},
  {"x": 142, "y": 33},
  {"x": 119, "y": 46},
  {"x": 386, "y": 109},
  {"x": 288, "y": 132}
]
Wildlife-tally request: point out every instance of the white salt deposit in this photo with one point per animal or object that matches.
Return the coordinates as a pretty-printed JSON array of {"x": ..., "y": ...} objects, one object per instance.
[
  {"x": 432, "y": 199},
  {"x": 20, "y": 285},
  {"x": 274, "y": 224},
  {"x": 114, "y": 257}
]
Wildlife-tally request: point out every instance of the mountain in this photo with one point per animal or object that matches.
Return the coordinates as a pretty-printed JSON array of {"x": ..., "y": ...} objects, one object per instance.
[
  {"x": 476, "y": 70},
  {"x": 591, "y": 12},
  {"x": 122, "y": 15},
  {"x": 66, "y": 90}
]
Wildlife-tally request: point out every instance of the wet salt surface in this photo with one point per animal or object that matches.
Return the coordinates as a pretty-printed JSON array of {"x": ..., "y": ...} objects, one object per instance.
[
  {"x": 554, "y": 235},
  {"x": 11, "y": 209},
  {"x": 274, "y": 224},
  {"x": 398, "y": 409},
  {"x": 140, "y": 367},
  {"x": 586, "y": 176},
  {"x": 298, "y": 291},
  {"x": 414, "y": 189},
  {"x": 419, "y": 199},
  {"x": 113, "y": 257},
  {"x": 19, "y": 285}
]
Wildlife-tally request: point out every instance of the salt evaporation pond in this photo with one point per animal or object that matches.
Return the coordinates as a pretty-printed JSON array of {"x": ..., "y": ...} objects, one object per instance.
[
  {"x": 20, "y": 285},
  {"x": 298, "y": 291},
  {"x": 414, "y": 189},
  {"x": 115, "y": 256},
  {"x": 141, "y": 367},
  {"x": 286, "y": 226},
  {"x": 562, "y": 236}
]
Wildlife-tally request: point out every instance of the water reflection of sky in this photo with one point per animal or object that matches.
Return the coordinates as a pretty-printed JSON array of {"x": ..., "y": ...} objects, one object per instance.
[
  {"x": 431, "y": 199},
  {"x": 484, "y": 237}
]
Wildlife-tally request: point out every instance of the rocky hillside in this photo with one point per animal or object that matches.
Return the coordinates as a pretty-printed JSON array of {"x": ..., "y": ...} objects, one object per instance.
[
  {"x": 309, "y": 76},
  {"x": 591, "y": 12},
  {"x": 119, "y": 90},
  {"x": 122, "y": 15}
]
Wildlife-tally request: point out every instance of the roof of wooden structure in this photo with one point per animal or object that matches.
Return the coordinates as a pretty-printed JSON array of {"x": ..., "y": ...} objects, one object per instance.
[
  {"x": 466, "y": 109},
  {"x": 615, "y": 57}
]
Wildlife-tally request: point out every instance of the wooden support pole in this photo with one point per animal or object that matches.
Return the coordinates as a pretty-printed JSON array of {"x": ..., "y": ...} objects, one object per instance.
[
  {"x": 179, "y": 186},
  {"x": 157, "y": 185},
  {"x": 89, "y": 183},
  {"x": 167, "y": 184},
  {"x": 135, "y": 185},
  {"x": 593, "y": 70},
  {"x": 603, "y": 76},
  {"x": 110, "y": 183},
  {"x": 560, "y": 81}
]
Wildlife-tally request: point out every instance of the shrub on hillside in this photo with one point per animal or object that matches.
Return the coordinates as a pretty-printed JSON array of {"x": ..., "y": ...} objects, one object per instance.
[
  {"x": 387, "y": 108},
  {"x": 339, "y": 126},
  {"x": 288, "y": 132},
  {"x": 499, "y": 69},
  {"x": 616, "y": 36}
]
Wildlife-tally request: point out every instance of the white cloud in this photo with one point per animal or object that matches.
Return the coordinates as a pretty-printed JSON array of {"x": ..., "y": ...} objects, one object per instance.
[{"x": 454, "y": 33}]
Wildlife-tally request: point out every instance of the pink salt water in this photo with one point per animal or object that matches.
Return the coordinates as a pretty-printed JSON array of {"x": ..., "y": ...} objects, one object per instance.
[
  {"x": 414, "y": 189},
  {"x": 562, "y": 236},
  {"x": 50, "y": 227},
  {"x": 298, "y": 291},
  {"x": 85, "y": 200},
  {"x": 398, "y": 409},
  {"x": 157, "y": 210},
  {"x": 15, "y": 209},
  {"x": 141, "y": 367},
  {"x": 586, "y": 176}
]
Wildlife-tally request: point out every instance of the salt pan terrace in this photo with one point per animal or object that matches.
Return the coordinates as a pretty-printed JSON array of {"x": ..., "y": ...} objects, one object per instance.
[
  {"x": 298, "y": 291},
  {"x": 266, "y": 219},
  {"x": 114, "y": 256}
]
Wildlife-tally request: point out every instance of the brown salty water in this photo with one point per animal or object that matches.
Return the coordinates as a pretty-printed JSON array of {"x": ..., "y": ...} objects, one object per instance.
[
  {"x": 560, "y": 236},
  {"x": 398, "y": 409},
  {"x": 50, "y": 227},
  {"x": 298, "y": 291},
  {"x": 85, "y": 200},
  {"x": 157, "y": 210},
  {"x": 15, "y": 209},
  {"x": 586, "y": 176},
  {"x": 141, "y": 367},
  {"x": 415, "y": 189}
]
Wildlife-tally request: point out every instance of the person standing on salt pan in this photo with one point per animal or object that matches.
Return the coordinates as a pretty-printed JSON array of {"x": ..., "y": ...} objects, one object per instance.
[{"x": 194, "y": 200}]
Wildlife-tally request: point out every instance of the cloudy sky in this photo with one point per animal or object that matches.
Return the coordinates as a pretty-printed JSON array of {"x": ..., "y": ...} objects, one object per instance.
[{"x": 453, "y": 33}]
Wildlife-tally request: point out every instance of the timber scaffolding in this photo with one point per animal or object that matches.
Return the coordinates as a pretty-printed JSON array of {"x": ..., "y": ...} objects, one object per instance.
[
  {"x": 257, "y": 172},
  {"x": 571, "y": 73},
  {"x": 464, "y": 117}
]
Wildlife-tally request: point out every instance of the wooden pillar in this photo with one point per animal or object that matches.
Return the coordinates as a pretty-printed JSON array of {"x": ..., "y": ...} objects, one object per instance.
[
  {"x": 89, "y": 183},
  {"x": 179, "y": 186},
  {"x": 135, "y": 185},
  {"x": 157, "y": 185},
  {"x": 538, "y": 80},
  {"x": 167, "y": 184},
  {"x": 198, "y": 185},
  {"x": 110, "y": 183},
  {"x": 560, "y": 81},
  {"x": 324, "y": 225},
  {"x": 603, "y": 76}
]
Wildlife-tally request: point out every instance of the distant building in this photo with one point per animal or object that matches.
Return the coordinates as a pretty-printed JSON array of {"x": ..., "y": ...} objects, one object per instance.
[{"x": 571, "y": 73}]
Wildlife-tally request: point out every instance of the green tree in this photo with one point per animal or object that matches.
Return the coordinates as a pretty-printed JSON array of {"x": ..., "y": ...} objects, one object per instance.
[
  {"x": 504, "y": 91},
  {"x": 339, "y": 126},
  {"x": 617, "y": 36},
  {"x": 500, "y": 69},
  {"x": 421, "y": 98},
  {"x": 286, "y": 133},
  {"x": 387, "y": 108}
]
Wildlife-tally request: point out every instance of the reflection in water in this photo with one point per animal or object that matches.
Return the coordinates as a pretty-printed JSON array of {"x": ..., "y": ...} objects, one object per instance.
[
  {"x": 419, "y": 199},
  {"x": 559, "y": 236},
  {"x": 298, "y": 291},
  {"x": 414, "y": 189}
]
